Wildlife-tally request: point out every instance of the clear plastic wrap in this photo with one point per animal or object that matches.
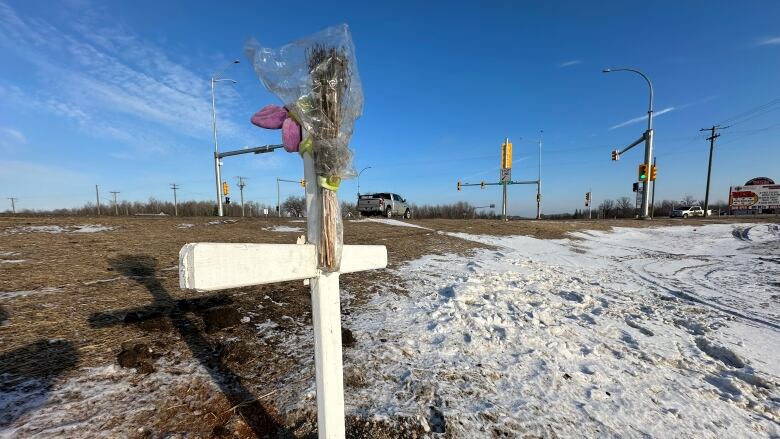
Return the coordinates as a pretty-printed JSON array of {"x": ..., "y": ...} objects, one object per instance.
[{"x": 317, "y": 80}]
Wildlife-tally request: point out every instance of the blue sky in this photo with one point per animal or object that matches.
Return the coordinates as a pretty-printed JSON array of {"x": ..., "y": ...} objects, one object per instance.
[{"x": 117, "y": 94}]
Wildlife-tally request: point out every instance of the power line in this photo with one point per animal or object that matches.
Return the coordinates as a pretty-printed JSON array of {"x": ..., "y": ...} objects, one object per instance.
[{"x": 752, "y": 113}]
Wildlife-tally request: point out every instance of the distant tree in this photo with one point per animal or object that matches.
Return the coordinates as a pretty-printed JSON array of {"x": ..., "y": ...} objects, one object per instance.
[
  {"x": 607, "y": 208},
  {"x": 624, "y": 207},
  {"x": 688, "y": 200},
  {"x": 294, "y": 206}
]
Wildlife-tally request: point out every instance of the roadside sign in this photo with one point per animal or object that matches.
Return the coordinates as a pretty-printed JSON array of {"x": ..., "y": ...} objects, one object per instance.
[
  {"x": 265, "y": 212},
  {"x": 506, "y": 175}
]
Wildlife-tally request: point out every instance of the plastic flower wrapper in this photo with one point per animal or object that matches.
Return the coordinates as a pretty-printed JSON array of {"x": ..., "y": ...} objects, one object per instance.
[{"x": 317, "y": 80}]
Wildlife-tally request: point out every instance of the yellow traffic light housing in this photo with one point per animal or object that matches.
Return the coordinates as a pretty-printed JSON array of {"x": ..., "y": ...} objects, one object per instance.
[
  {"x": 506, "y": 155},
  {"x": 303, "y": 182},
  {"x": 459, "y": 185},
  {"x": 615, "y": 155},
  {"x": 643, "y": 172},
  {"x": 652, "y": 172},
  {"x": 225, "y": 188}
]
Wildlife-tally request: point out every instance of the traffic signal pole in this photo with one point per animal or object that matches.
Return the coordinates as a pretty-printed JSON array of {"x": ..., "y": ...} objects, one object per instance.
[{"x": 647, "y": 137}]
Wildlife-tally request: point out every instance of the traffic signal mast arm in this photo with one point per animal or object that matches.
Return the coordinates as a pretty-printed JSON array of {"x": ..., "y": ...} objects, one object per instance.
[
  {"x": 255, "y": 150},
  {"x": 616, "y": 154},
  {"x": 482, "y": 184}
]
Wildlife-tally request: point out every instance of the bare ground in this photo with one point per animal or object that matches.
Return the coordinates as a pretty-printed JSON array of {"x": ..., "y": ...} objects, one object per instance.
[{"x": 85, "y": 300}]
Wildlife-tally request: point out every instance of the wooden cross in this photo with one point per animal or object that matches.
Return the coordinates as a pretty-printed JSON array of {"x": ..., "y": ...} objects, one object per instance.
[{"x": 217, "y": 266}]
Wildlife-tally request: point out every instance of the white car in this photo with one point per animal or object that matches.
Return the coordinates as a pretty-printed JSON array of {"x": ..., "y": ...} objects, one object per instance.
[{"x": 685, "y": 212}]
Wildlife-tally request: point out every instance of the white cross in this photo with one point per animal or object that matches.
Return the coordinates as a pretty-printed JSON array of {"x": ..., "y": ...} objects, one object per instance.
[{"x": 216, "y": 266}]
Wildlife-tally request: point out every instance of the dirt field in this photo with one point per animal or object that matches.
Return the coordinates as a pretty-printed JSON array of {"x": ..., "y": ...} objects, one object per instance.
[{"x": 73, "y": 298}]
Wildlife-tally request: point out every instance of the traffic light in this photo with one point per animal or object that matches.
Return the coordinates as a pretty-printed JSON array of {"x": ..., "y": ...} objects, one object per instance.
[
  {"x": 615, "y": 155},
  {"x": 277, "y": 208},
  {"x": 303, "y": 182},
  {"x": 652, "y": 172},
  {"x": 225, "y": 188},
  {"x": 458, "y": 185},
  {"x": 482, "y": 185},
  {"x": 538, "y": 198},
  {"x": 643, "y": 172},
  {"x": 506, "y": 155}
]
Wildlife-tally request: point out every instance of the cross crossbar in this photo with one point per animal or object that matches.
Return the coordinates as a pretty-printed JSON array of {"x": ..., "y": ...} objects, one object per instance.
[{"x": 222, "y": 265}]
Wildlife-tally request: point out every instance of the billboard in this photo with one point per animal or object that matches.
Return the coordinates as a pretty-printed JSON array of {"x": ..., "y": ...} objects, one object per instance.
[{"x": 758, "y": 197}]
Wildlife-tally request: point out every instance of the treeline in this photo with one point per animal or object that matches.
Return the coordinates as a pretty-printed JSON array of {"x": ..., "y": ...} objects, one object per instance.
[
  {"x": 155, "y": 207},
  {"x": 625, "y": 207}
]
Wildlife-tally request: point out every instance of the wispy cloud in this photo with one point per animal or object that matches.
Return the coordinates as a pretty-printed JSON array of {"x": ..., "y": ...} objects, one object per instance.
[
  {"x": 113, "y": 84},
  {"x": 12, "y": 136},
  {"x": 573, "y": 62},
  {"x": 641, "y": 118},
  {"x": 770, "y": 41}
]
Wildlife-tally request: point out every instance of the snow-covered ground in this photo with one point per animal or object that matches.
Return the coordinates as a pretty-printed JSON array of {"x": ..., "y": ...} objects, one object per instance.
[{"x": 667, "y": 332}]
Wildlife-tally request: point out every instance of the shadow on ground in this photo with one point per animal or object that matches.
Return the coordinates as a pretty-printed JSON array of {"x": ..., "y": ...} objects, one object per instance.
[
  {"x": 28, "y": 374},
  {"x": 177, "y": 313}
]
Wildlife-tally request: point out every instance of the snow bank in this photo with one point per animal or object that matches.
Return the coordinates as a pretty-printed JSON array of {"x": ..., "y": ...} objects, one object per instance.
[{"x": 617, "y": 333}]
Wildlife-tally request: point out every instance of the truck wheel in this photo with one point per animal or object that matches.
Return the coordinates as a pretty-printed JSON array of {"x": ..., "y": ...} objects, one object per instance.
[
  {"x": 389, "y": 213},
  {"x": 685, "y": 215},
  {"x": 408, "y": 214}
]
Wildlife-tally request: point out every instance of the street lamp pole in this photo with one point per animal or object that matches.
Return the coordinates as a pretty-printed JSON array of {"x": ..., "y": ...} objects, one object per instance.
[
  {"x": 358, "y": 179},
  {"x": 648, "y": 137},
  {"x": 217, "y": 167}
]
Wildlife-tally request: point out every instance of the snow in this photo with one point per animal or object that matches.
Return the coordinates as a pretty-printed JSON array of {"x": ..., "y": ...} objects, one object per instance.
[
  {"x": 91, "y": 228},
  {"x": 285, "y": 229},
  {"x": 185, "y": 226},
  {"x": 11, "y": 261},
  {"x": 81, "y": 228},
  {"x": 667, "y": 332},
  {"x": 13, "y": 294},
  {"x": 392, "y": 222},
  {"x": 218, "y": 222}
]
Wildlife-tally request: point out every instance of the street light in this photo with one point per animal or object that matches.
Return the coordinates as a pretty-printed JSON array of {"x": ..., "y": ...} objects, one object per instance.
[
  {"x": 217, "y": 171},
  {"x": 358, "y": 179},
  {"x": 648, "y": 137}
]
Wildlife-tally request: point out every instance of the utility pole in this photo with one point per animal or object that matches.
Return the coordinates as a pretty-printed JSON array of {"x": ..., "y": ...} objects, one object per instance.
[
  {"x": 175, "y": 187},
  {"x": 278, "y": 206},
  {"x": 539, "y": 185},
  {"x": 506, "y": 157},
  {"x": 241, "y": 184},
  {"x": 97, "y": 195},
  {"x": 116, "y": 207},
  {"x": 713, "y": 135},
  {"x": 13, "y": 204}
]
